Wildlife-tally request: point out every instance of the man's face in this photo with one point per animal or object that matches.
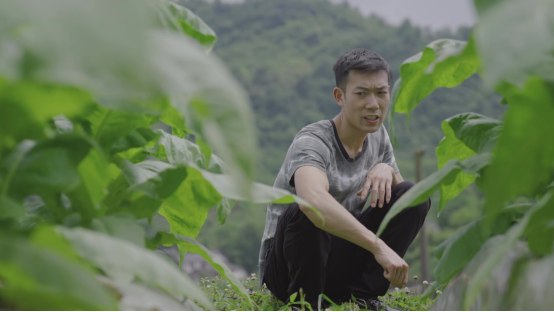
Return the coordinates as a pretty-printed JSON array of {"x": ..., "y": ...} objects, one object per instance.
[{"x": 366, "y": 100}]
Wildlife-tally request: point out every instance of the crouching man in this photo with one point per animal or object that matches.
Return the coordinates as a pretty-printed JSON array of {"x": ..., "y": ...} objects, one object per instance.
[{"x": 335, "y": 165}]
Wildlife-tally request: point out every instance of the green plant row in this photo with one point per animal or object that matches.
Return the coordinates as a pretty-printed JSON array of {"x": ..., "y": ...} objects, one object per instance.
[
  {"x": 84, "y": 178},
  {"x": 490, "y": 262}
]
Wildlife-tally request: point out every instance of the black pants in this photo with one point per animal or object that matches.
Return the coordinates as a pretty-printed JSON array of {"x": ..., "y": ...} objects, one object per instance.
[{"x": 304, "y": 256}]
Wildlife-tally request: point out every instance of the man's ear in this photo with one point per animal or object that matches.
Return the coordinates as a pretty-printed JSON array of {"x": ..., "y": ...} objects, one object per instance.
[{"x": 339, "y": 96}]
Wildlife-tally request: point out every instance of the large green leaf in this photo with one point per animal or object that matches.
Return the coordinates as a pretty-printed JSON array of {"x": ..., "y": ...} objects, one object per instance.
[
  {"x": 531, "y": 287},
  {"x": 442, "y": 63},
  {"x": 501, "y": 249},
  {"x": 190, "y": 24},
  {"x": 494, "y": 294},
  {"x": 109, "y": 126},
  {"x": 524, "y": 156},
  {"x": 465, "y": 135},
  {"x": 124, "y": 262},
  {"x": 424, "y": 189},
  {"x": 36, "y": 278},
  {"x": 515, "y": 39},
  {"x": 26, "y": 108},
  {"x": 540, "y": 232},
  {"x": 216, "y": 108},
  {"x": 86, "y": 198},
  {"x": 154, "y": 178},
  {"x": 459, "y": 249},
  {"x": 187, "y": 208},
  {"x": 44, "y": 167},
  {"x": 193, "y": 246},
  {"x": 11, "y": 209},
  {"x": 120, "y": 226},
  {"x": 137, "y": 297},
  {"x": 149, "y": 64}
]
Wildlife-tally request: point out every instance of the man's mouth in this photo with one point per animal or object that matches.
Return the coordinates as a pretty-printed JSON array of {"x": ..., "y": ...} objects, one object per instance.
[{"x": 371, "y": 118}]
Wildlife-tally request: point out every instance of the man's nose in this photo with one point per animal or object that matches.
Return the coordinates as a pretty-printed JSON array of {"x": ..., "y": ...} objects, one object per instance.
[{"x": 371, "y": 102}]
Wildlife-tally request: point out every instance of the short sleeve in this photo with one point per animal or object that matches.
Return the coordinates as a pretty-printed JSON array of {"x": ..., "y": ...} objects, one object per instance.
[
  {"x": 306, "y": 150},
  {"x": 388, "y": 156}
]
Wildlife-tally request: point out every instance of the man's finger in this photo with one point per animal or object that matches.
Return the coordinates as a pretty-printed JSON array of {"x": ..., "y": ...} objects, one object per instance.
[
  {"x": 388, "y": 190},
  {"x": 374, "y": 193},
  {"x": 382, "y": 187},
  {"x": 365, "y": 189}
]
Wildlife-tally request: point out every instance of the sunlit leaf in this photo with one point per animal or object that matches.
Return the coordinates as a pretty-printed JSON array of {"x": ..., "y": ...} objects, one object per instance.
[
  {"x": 442, "y": 63},
  {"x": 26, "y": 108},
  {"x": 191, "y": 24},
  {"x": 465, "y": 135},
  {"x": 193, "y": 246},
  {"x": 424, "y": 189},
  {"x": 124, "y": 262}
]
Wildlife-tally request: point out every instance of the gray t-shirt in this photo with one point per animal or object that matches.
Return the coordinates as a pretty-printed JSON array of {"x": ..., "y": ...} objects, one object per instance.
[{"x": 318, "y": 145}]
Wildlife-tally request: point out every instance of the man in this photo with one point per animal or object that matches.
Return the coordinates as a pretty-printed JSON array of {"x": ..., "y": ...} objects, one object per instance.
[{"x": 335, "y": 165}]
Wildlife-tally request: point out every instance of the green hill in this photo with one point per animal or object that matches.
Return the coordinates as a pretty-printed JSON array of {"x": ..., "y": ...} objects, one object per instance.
[{"x": 282, "y": 52}]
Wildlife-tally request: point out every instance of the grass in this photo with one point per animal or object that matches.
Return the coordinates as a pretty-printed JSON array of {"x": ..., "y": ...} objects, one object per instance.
[{"x": 225, "y": 298}]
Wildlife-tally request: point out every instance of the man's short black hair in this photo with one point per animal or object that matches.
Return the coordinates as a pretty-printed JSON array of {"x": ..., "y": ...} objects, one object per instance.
[{"x": 360, "y": 59}]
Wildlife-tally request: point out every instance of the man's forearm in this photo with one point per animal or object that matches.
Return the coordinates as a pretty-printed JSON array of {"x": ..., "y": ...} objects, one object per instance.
[{"x": 340, "y": 222}]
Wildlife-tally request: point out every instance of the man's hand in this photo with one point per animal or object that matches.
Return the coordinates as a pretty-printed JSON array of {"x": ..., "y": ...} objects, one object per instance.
[
  {"x": 380, "y": 178},
  {"x": 396, "y": 269}
]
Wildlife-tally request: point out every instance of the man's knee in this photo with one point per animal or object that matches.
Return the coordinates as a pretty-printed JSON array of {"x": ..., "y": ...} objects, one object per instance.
[{"x": 420, "y": 209}]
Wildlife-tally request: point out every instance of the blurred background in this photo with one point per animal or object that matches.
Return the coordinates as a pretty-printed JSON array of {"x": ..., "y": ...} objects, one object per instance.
[{"x": 282, "y": 51}]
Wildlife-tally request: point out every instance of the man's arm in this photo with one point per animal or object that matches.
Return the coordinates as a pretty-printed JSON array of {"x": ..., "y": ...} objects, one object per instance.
[{"x": 312, "y": 185}]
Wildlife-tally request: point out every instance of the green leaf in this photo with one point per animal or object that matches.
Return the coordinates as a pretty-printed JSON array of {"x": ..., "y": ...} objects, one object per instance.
[
  {"x": 47, "y": 166},
  {"x": 216, "y": 107},
  {"x": 510, "y": 47},
  {"x": 424, "y": 189},
  {"x": 493, "y": 296},
  {"x": 442, "y": 63},
  {"x": 459, "y": 249},
  {"x": 137, "y": 297},
  {"x": 524, "y": 156},
  {"x": 187, "y": 208},
  {"x": 205, "y": 150},
  {"x": 191, "y": 24},
  {"x": 137, "y": 138},
  {"x": 26, "y": 108},
  {"x": 540, "y": 231},
  {"x": 51, "y": 280},
  {"x": 531, "y": 287},
  {"x": 10, "y": 209},
  {"x": 120, "y": 226},
  {"x": 504, "y": 246},
  {"x": 154, "y": 178},
  {"x": 109, "y": 126},
  {"x": 193, "y": 246},
  {"x": 465, "y": 135},
  {"x": 124, "y": 262},
  {"x": 86, "y": 198}
]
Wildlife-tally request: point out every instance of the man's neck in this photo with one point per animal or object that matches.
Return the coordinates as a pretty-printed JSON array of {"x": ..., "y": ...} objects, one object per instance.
[{"x": 351, "y": 138}]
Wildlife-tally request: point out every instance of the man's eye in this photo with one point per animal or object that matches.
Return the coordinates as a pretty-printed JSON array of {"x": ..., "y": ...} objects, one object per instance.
[{"x": 360, "y": 93}]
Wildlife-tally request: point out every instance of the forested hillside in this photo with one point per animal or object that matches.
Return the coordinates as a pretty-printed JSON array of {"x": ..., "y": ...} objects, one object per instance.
[{"x": 283, "y": 52}]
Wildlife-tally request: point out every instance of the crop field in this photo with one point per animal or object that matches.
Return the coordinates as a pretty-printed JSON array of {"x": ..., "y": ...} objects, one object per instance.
[{"x": 85, "y": 169}]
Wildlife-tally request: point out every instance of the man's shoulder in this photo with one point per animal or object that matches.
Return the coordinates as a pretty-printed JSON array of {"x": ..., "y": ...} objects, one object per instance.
[{"x": 321, "y": 130}]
